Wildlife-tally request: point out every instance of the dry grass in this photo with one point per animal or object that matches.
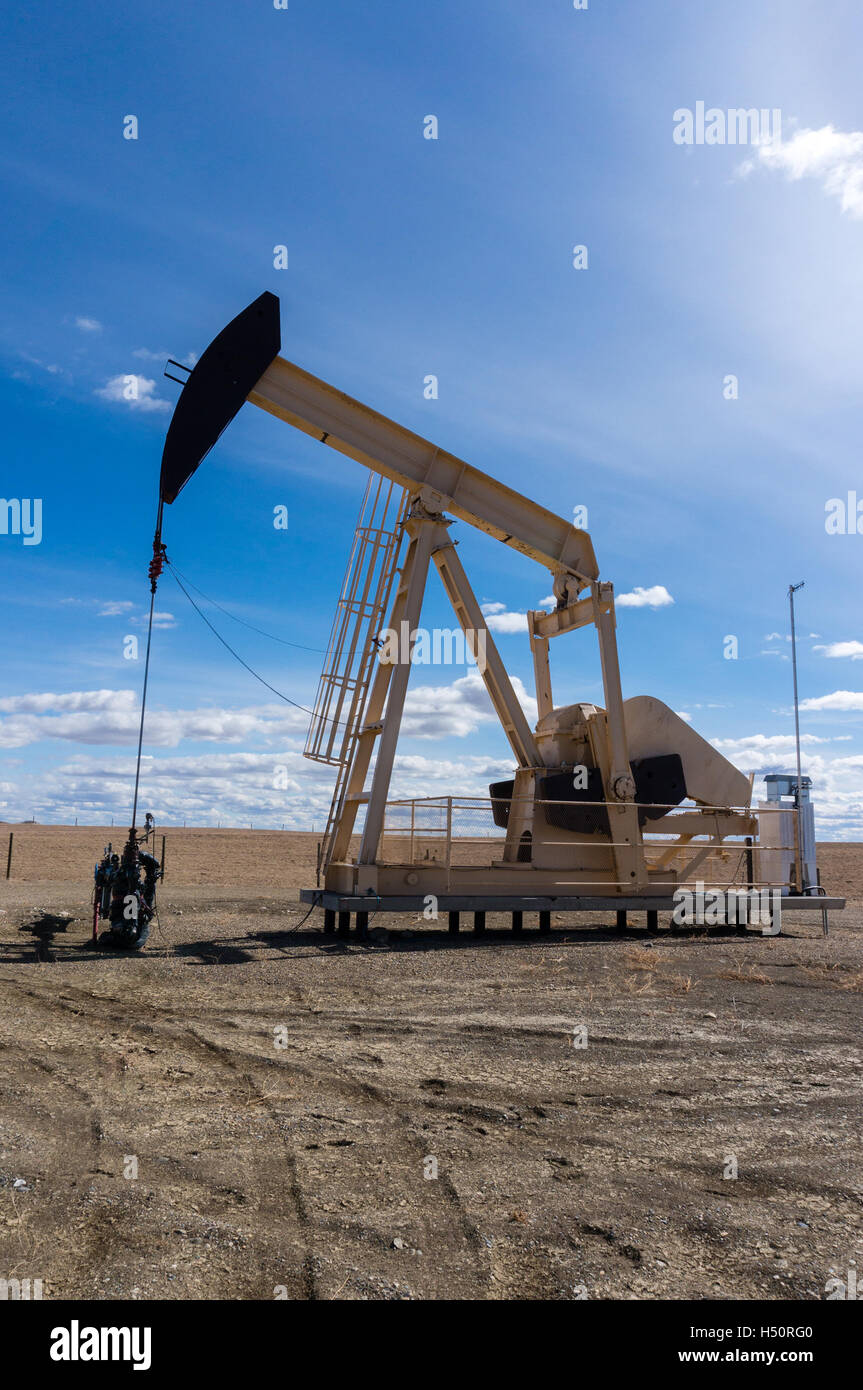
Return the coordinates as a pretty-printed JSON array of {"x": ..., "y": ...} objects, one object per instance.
[
  {"x": 310, "y": 999},
  {"x": 837, "y": 976},
  {"x": 642, "y": 958},
  {"x": 747, "y": 974},
  {"x": 650, "y": 976},
  {"x": 635, "y": 984},
  {"x": 853, "y": 981}
]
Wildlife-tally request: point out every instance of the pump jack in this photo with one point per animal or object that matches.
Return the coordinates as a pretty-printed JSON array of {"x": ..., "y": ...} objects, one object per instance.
[{"x": 548, "y": 837}]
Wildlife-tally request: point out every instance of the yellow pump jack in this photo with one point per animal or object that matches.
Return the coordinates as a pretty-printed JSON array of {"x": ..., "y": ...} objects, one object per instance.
[{"x": 614, "y": 806}]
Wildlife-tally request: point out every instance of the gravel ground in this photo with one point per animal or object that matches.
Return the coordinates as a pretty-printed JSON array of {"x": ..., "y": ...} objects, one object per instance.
[{"x": 411, "y": 1119}]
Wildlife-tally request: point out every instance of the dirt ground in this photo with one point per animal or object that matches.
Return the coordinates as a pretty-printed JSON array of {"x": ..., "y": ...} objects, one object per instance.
[{"x": 288, "y": 1098}]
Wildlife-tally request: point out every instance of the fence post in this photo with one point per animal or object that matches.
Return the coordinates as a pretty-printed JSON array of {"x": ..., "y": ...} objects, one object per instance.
[{"x": 9, "y": 860}]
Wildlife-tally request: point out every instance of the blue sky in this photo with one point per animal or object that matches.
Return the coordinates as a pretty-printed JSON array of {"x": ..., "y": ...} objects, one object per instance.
[{"x": 602, "y": 387}]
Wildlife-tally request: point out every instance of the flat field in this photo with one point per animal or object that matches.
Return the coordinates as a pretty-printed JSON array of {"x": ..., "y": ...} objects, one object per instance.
[{"x": 286, "y": 1098}]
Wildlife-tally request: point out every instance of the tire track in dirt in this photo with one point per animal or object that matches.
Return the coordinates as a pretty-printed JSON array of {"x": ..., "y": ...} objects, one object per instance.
[
  {"x": 354, "y": 1088},
  {"x": 182, "y": 1043},
  {"x": 57, "y": 1124},
  {"x": 214, "y": 1050},
  {"x": 180, "y": 1031},
  {"x": 28, "y": 1060},
  {"x": 322, "y": 1077}
]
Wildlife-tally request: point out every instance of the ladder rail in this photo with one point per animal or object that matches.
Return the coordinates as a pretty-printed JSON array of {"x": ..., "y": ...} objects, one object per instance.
[
  {"x": 343, "y": 689},
  {"x": 362, "y": 601}
]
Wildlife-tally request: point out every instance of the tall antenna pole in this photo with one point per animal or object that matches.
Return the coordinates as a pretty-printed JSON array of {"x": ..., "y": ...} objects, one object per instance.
[{"x": 792, "y": 589}]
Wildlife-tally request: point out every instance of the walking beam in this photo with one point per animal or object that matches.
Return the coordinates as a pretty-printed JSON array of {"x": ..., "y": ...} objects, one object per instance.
[{"x": 354, "y": 429}]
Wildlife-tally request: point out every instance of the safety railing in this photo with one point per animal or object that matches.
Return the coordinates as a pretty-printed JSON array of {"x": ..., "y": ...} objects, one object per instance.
[{"x": 467, "y": 832}]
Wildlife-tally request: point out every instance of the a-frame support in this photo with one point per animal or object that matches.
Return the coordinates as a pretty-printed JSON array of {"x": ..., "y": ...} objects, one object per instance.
[
  {"x": 497, "y": 682},
  {"x": 499, "y": 686},
  {"x": 612, "y": 754},
  {"x": 405, "y": 618},
  {"x": 429, "y": 539},
  {"x": 620, "y": 787}
]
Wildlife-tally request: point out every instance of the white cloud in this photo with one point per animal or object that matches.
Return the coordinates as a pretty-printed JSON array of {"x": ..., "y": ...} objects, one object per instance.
[
  {"x": 237, "y": 788},
  {"x": 833, "y": 157},
  {"x": 122, "y": 608},
  {"x": 266, "y": 786},
  {"x": 114, "y": 609},
  {"x": 456, "y": 710},
  {"x": 506, "y": 622},
  {"x": 111, "y": 717},
  {"x": 656, "y": 597},
  {"x": 145, "y": 355},
  {"x": 836, "y": 782},
  {"x": 88, "y": 325},
  {"x": 134, "y": 391},
  {"x": 44, "y": 366},
  {"x": 500, "y": 620},
  {"x": 763, "y": 752},
  {"x": 838, "y": 700},
  {"x": 839, "y": 649},
  {"x": 269, "y": 788},
  {"x": 75, "y": 700},
  {"x": 241, "y": 787}
]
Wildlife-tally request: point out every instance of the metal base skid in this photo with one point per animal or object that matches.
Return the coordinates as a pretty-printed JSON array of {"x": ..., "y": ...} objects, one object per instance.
[{"x": 340, "y": 906}]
